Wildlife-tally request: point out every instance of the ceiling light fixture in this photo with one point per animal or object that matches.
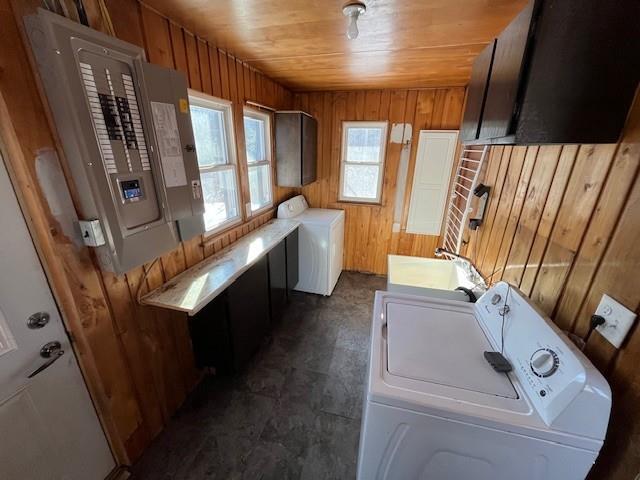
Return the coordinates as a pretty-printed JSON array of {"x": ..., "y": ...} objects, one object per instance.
[{"x": 353, "y": 10}]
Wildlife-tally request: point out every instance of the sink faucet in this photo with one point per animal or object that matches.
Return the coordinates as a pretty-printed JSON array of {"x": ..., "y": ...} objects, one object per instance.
[
  {"x": 466, "y": 262},
  {"x": 440, "y": 252}
]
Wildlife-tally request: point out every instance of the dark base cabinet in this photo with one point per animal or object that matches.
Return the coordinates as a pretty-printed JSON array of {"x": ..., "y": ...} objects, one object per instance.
[
  {"x": 211, "y": 336},
  {"x": 278, "y": 280},
  {"x": 283, "y": 273},
  {"x": 292, "y": 260},
  {"x": 227, "y": 332},
  {"x": 249, "y": 311}
]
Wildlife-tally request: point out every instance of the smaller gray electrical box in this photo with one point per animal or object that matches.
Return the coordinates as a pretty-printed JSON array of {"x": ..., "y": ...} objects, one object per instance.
[
  {"x": 91, "y": 231},
  {"x": 126, "y": 131}
]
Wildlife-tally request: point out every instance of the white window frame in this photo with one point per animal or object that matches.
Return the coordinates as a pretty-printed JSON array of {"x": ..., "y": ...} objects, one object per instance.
[
  {"x": 200, "y": 99},
  {"x": 381, "y": 160},
  {"x": 260, "y": 115}
]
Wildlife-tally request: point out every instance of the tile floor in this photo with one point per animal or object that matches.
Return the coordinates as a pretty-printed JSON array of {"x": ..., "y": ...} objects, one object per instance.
[{"x": 294, "y": 414}]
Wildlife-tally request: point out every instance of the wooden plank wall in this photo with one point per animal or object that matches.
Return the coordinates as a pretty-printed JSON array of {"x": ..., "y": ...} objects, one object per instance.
[
  {"x": 137, "y": 361},
  {"x": 368, "y": 230},
  {"x": 563, "y": 224}
]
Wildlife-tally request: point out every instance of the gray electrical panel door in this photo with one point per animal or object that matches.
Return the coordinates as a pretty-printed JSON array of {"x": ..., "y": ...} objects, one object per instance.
[
  {"x": 169, "y": 104},
  {"x": 126, "y": 133}
]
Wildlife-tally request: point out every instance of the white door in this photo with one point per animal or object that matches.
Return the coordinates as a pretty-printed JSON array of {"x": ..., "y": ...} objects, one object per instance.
[
  {"x": 48, "y": 426},
  {"x": 434, "y": 162}
]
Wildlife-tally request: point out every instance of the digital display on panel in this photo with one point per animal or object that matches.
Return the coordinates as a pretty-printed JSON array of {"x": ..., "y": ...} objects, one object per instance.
[{"x": 131, "y": 189}]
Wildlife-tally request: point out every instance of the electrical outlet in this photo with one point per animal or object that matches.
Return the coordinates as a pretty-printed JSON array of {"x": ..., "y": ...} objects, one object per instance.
[{"x": 618, "y": 320}]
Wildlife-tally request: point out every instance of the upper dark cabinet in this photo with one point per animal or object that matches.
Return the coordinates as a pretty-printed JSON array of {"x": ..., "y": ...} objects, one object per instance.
[
  {"x": 477, "y": 93},
  {"x": 561, "y": 72},
  {"x": 296, "y": 148},
  {"x": 508, "y": 62}
]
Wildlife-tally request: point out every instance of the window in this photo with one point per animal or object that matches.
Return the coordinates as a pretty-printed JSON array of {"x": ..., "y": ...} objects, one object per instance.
[
  {"x": 257, "y": 134},
  {"x": 362, "y": 165},
  {"x": 213, "y": 132}
]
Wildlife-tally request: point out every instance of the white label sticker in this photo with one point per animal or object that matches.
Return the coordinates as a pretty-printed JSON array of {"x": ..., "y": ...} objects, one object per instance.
[{"x": 166, "y": 127}]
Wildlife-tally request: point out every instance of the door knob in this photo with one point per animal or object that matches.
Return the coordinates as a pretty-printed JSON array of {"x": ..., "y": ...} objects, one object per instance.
[
  {"x": 38, "y": 320},
  {"x": 52, "y": 351}
]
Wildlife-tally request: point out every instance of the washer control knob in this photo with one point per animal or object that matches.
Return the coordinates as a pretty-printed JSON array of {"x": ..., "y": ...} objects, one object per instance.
[
  {"x": 544, "y": 362},
  {"x": 496, "y": 299}
]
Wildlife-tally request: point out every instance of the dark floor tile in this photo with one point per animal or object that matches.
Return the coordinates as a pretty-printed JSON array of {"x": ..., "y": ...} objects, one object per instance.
[
  {"x": 349, "y": 364},
  {"x": 353, "y": 338},
  {"x": 246, "y": 415},
  {"x": 309, "y": 355},
  {"x": 291, "y": 426},
  {"x": 262, "y": 379},
  {"x": 169, "y": 452},
  {"x": 303, "y": 386},
  {"x": 221, "y": 457},
  {"x": 296, "y": 322},
  {"x": 276, "y": 353},
  {"x": 272, "y": 461},
  {"x": 342, "y": 397},
  {"x": 357, "y": 287},
  {"x": 334, "y": 454},
  {"x": 344, "y": 388}
]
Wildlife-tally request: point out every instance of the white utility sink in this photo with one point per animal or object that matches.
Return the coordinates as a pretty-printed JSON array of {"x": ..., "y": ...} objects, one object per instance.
[{"x": 431, "y": 277}]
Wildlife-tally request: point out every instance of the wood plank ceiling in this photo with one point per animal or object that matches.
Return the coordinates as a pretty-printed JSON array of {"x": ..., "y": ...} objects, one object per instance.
[{"x": 302, "y": 43}]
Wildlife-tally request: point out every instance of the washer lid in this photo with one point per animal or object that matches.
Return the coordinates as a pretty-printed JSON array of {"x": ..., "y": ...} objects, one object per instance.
[
  {"x": 440, "y": 346},
  {"x": 320, "y": 216}
]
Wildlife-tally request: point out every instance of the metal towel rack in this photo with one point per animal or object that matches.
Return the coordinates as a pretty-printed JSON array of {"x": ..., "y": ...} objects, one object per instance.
[{"x": 471, "y": 160}]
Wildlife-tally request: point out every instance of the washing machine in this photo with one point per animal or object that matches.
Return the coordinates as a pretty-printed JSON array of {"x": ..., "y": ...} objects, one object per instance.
[
  {"x": 320, "y": 244},
  {"x": 436, "y": 409}
]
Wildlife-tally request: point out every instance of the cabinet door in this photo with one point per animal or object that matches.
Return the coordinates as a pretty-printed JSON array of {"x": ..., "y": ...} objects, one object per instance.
[
  {"x": 292, "y": 260},
  {"x": 277, "y": 280},
  {"x": 288, "y": 149},
  {"x": 211, "y": 336},
  {"x": 309, "y": 149},
  {"x": 583, "y": 72},
  {"x": 506, "y": 73},
  {"x": 249, "y": 312},
  {"x": 477, "y": 93}
]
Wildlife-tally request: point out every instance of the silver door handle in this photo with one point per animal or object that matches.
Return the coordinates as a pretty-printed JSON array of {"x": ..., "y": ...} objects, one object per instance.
[
  {"x": 53, "y": 351},
  {"x": 38, "y": 320}
]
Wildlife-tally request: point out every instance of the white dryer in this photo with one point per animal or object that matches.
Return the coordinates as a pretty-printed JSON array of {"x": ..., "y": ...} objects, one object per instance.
[
  {"x": 436, "y": 410},
  {"x": 320, "y": 244}
]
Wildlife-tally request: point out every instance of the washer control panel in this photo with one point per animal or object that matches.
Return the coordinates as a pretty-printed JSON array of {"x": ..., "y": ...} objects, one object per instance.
[
  {"x": 544, "y": 362},
  {"x": 543, "y": 359}
]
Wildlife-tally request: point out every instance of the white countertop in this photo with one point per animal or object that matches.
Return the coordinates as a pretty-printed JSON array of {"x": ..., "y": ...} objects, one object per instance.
[{"x": 195, "y": 287}]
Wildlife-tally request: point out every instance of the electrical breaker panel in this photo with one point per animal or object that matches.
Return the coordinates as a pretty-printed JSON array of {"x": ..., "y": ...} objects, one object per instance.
[{"x": 126, "y": 132}]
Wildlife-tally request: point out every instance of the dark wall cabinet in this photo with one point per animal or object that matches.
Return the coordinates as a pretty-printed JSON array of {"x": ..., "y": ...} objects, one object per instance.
[
  {"x": 476, "y": 93},
  {"x": 228, "y": 331},
  {"x": 561, "y": 72},
  {"x": 296, "y": 148}
]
